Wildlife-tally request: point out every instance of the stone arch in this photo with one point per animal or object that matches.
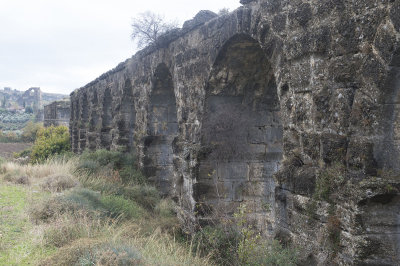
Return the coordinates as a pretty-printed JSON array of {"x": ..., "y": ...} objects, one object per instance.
[
  {"x": 241, "y": 134},
  {"x": 162, "y": 129},
  {"x": 126, "y": 123},
  {"x": 106, "y": 120}
]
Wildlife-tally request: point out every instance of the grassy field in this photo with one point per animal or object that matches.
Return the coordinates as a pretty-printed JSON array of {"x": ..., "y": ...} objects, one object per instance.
[
  {"x": 7, "y": 149},
  {"x": 52, "y": 214},
  {"x": 97, "y": 209},
  {"x": 17, "y": 234}
]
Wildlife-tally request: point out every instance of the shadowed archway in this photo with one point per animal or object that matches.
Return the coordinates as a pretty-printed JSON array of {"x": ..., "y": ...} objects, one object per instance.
[
  {"x": 241, "y": 135},
  {"x": 162, "y": 129}
]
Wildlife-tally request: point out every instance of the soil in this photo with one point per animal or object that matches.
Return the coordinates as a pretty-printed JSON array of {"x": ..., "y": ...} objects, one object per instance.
[{"x": 7, "y": 149}]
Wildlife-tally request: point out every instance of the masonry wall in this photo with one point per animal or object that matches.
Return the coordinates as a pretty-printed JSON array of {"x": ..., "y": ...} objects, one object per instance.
[
  {"x": 266, "y": 99},
  {"x": 57, "y": 113}
]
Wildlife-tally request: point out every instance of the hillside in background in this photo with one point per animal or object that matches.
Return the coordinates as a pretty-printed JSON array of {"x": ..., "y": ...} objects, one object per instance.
[{"x": 19, "y": 107}]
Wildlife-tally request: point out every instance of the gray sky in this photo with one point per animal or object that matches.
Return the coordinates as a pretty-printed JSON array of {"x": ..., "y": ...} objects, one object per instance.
[{"x": 60, "y": 45}]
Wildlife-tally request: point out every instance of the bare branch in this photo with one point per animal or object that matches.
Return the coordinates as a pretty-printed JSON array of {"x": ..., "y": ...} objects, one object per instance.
[{"x": 147, "y": 27}]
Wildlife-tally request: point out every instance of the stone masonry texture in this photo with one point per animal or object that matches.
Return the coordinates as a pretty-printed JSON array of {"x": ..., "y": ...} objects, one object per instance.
[
  {"x": 57, "y": 113},
  {"x": 290, "y": 107}
]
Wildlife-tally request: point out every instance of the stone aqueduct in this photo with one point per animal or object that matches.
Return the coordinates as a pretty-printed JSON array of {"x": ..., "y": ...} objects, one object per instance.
[{"x": 250, "y": 106}]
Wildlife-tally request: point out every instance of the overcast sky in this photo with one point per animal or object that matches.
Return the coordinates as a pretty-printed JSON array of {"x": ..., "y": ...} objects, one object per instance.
[{"x": 61, "y": 45}]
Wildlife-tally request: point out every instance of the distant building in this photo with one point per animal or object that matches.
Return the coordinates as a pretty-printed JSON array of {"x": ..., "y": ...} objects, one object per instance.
[{"x": 57, "y": 113}]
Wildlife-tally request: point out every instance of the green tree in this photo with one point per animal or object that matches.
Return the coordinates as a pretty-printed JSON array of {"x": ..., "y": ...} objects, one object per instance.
[
  {"x": 30, "y": 131},
  {"x": 50, "y": 141}
]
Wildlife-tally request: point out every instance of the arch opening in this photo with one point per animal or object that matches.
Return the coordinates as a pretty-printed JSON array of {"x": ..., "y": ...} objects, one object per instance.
[
  {"x": 106, "y": 121},
  {"x": 74, "y": 130},
  {"x": 93, "y": 122},
  {"x": 84, "y": 123},
  {"x": 241, "y": 135},
  {"x": 162, "y": 129},
  {"x": 126, "y": 122}
]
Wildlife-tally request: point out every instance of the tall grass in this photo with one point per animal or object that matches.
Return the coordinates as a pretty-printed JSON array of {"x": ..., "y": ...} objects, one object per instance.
[
  {"x": 112, "y": 216},
  {"x": 40, "y": 171},
  {"x": 96, "y": 209}
]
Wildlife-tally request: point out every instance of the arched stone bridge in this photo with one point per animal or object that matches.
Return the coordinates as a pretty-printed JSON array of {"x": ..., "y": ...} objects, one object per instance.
[{"x": 252, "y": 106}]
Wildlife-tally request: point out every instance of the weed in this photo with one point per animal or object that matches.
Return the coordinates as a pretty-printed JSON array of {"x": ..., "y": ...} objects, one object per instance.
[
  {"x": 329, "y": 181},
  {"x": 59, "y": 182},
  {"x": 220, "y": 243}
]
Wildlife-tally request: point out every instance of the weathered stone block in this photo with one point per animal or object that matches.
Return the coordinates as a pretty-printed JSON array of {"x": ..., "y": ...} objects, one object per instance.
[
  {"x": 333, "y": 148},
  {"x": 360, "y": 156},
  {"x": 233, "y": 170}
]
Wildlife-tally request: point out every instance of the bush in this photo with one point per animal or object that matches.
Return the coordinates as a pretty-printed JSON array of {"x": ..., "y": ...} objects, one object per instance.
[
  {"x": 119, "y": 207},
  {"x": 219, "y": 243},
  {"x": 122, "y": 164},
  {"x": 50, "y": 141},
  {"x": 165, "y": 208},
  {"x": 145, "y": 195},
  {"x": 84, "y": 201},
  {"x": 30, "y": 131},
  {"x": 59, "y": 182},
  {"x": 23, "y": 154},
  {"x": 239, "y": 243},
  {"x": 17, "y": 178}
]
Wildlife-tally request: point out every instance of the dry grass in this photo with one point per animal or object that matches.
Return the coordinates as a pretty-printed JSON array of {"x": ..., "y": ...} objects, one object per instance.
[
  {"x": 124, "y": 224},
  {"x": 59, "y": 182},
  {"x": 40, "y": 171}
]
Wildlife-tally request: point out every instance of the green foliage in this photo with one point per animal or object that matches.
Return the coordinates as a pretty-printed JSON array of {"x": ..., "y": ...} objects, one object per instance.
[
  {"x": 11, "y": 120},
  {"x": 9, "y": 137},
  {"x": 88, "y": 201},
  {"x": 49, "y": 142},
  {"x": 218, "y": 242},
  {"x": 240, "y": 243},
  {"x": 23, "y": 154},
  {"x": 30, "y": 131},
  {"x": 145, "y": 195},
  {"x": 255, "y": 250},
  {"x": 123, "y": 165},
  {"x": 117, "y": 206}
]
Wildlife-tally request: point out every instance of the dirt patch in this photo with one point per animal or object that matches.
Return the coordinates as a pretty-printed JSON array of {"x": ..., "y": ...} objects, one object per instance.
[{"x": 7, "y": 149}]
